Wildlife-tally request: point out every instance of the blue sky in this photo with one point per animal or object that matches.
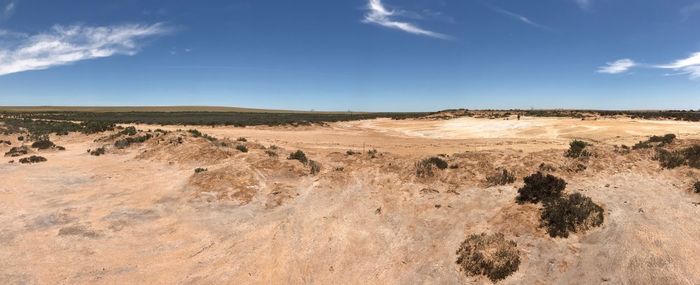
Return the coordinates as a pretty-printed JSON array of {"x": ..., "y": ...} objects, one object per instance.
[{"x": 371, "y": 55}]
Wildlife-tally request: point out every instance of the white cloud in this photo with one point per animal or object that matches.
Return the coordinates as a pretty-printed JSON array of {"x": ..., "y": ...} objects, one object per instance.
[
  {"x": 689, "y": 65},
  {"x": 518, "y": 17},
  {"x": 379, "y": 15},
  {"x": 618, "y": 66},
  {"x": 64, "y": 45}
]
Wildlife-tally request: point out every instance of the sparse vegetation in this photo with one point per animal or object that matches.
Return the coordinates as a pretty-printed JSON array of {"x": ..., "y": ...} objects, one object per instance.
[
  {"x": 501, "y": 177},
  {"x": 32, "y": 159},
  {"x": 43, "y": 144},
  {"x": 489, "y": 255},
  {"x": 126, "y": 142},
  {"x": 270, "y": 153},
  {"x": 97, "y": 152},
  {"x": 242, "y": 148},
  {"x": 242, "y": 139},
  {"x": 300, "y": 156},
  {"x": 197, "y": 134},
  {"x": 200, "y": 170},
  {"x": 539, "y": 187},
  {"x": 689, "y": 156},
  {"x": 577, "y": 149},
  {"x": 696, "y": 187},
  {"x": 424, "y": 168},
  {"x": 572, "y": 213},
  {"x": 5, "y": 142},
  {"x": 17, "y": 151},
  {"x": 653, "y": 141},
  {"x": 315, "y": 167},
  {"x": 372, "y": 153},
  {"x": 351, "y": 152}
]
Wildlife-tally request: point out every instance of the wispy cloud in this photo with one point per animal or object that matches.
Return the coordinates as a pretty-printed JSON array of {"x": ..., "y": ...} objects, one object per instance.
[
  {"x": 618, "y": 66},
  {"x": 7, "y": 10},
  {"x": 64, "y": 45},
  {"x": 689, "y": 65},
  {"x": 584, "y": 4},
  {"x": 686, "y": 66},
  {"x": 519, "y": 17},
  {"x": 689, "y": 10},
  {"x": 378, "y": 14}
]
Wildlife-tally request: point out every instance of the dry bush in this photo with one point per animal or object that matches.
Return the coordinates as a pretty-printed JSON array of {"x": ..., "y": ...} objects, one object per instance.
[
  {"x": 299, "y": 155},
  {"x": 539, "y": 187},
  {"x": 242, "y": 148},
  {"x": 32, "y": 159},
  {"x": 696, "y": 187},
  {"x": 98, "y": 151},
  {"x": 490, "y": 255},
  {"x": 655, "y": 141},
  {"x": 692, "y": 156},
  {"x": 501, "y": 177},
  {"x": 572, "y": 213},
  {"x": 242, "y": 139},
  {"x": 669, "y": 159},
  {"x": 200, "y": 170},
  {"x": 17, "y": 151},
  {"x": 424, "y": 168},
  {"x": 43, "y": 144},
  {"x": 271, "y": 153},
  {"x": 577, "y": 149},
  {"x": 315, "y": 167}
]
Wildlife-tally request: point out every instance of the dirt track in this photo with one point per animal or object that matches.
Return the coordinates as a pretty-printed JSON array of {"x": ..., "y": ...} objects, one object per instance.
[{"x": 142, "y": 215}]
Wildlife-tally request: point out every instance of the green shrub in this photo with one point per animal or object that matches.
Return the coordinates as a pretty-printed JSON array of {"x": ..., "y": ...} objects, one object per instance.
[
  {"x": 577, "y": 149},
  {"x": 572, "y": 213},
  {"x": 32, "y": 159},
  {"x": 242, "y": 148},
  {"x": 539, "y": 187},
  {"x": 662, "y": 140},
  {"x": 129, "y": 131},
  {"x": 195, "y": 133},
  {"x": 93, "y": 127},
  {"x": 43, "y": 144},
  {"x": 126, "y": 142},
  {"x": 670, "y": 159},
  {"x": 692, "y": 156},
  {"x": 299, "y": 155},
  {"x": 315, "y": 167},
  {"x": 501, "y": 177},
  {"x": 490, "y": 255}
]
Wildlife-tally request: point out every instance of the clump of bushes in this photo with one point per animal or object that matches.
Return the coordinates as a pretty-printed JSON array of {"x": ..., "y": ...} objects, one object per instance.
[
  {"x": 577, "y": 149},
  {"x": 560, "y": 214},
  {"x": 129, "y": 131},
  {"x": 200, "y": 170},
  {"x": 126, "y": 142},
  {"x": 539, "y": 187},
  {"x": 270, "y": 153},
  {"x": 689, "y": 156},
  {"x": 93, "y": 127},
  {"x": 97, "y": 152},
  {"x": 424, "y": 168},
  {"x": 196, "y": 133},
  {"x": 32, "y": 159},
  {"x": 501, "y": 177},
  {"x": 372, "y": 153},
  {"x": 17, "y": 151},
  {"x": 490, "y": 255},
  {"x": 242, "y": 148},
  {"x": 300, "y": 156},
  {"x": 315, "y": 167},
  {"x": 43, "y": 144},
  {"x": 655, "y": 141},
  {"x": 572, "y": 213}
]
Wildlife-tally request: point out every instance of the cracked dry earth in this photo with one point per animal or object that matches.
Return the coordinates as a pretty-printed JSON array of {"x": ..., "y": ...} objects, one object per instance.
[{"x": 142, "y": 216}]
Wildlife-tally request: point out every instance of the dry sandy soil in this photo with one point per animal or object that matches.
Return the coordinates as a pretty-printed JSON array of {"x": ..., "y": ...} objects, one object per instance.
[{"x": 141, "y": 215}]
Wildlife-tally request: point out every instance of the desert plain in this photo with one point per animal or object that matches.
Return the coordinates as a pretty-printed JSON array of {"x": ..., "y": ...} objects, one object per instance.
[{"x": 143, "y": 215}]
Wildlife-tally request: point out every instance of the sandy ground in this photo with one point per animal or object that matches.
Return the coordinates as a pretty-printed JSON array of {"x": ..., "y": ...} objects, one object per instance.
[{"x": 142, "y": 216}]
